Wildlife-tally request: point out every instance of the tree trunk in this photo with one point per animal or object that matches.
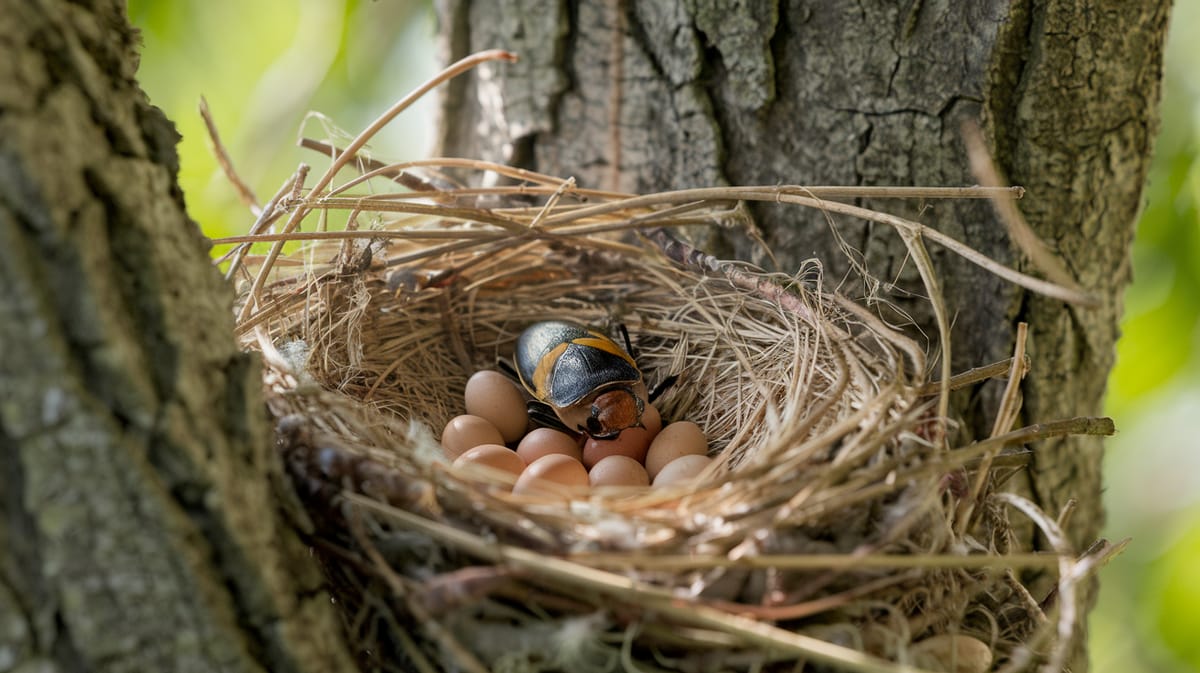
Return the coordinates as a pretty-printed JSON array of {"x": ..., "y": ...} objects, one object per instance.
[
  {"x": 647, "y": 96},
  {"x": 139, "y": 527}
]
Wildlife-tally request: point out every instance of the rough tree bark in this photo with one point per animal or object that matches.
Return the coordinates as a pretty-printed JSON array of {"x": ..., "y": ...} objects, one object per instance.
[
  {"x": 139, "y": 529},
  {"x": 646, "y": 96}
]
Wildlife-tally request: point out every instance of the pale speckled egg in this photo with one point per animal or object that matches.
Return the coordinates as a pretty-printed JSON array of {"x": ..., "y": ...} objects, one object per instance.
[
  {"x": 494, "y": 456},
  {"x": 545, "y": 441},
  {"x": 467, "y": 432},
  {"x": 681, "y": 469},
  {"x": 618, "y": 471},
  {"x": 553, "y": 474},
  {"x": 495, "y": 397},
  {"x": 681, "y": 438}
]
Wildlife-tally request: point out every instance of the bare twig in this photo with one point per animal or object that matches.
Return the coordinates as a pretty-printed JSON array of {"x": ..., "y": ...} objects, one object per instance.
[
  {"x": 815, "y": 561},
  {"x": 366, "y": 165},
  {"x": 357, "y": 144},
  {"x": 1068, "y": 606},
  {"x": 574, "y": 576},
  {"x": 797, "y": 196},
  {"x": 973, "y": 375},
  {"x": 1010, "y": 216},
  {"x": 403, "y": 590},
  {"x": 244, "y": 192},
  {"x": 265, "y": 217},
  {"x": 1006, "y": 415}
]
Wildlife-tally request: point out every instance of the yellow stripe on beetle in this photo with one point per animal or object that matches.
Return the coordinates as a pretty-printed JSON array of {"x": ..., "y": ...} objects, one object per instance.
[
  {"x": 545, "y": 367},
  {"x": 601, "y": 342}
]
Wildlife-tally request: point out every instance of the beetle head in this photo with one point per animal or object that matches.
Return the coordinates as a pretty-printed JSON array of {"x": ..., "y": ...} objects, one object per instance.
[{"x": 613, "y": 411}]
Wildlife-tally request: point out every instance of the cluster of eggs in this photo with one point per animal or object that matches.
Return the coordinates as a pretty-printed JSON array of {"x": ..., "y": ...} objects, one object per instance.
[{"x": 547, "y": 461}]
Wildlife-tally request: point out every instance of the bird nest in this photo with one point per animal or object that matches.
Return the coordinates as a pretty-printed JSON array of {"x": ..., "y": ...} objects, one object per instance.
[{"x": 837, "y": 526}]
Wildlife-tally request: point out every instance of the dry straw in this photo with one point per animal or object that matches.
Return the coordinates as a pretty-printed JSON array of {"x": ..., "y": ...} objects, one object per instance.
[{"x": 836, "y": 528}]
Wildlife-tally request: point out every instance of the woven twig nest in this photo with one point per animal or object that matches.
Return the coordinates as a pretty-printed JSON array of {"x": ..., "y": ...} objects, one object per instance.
[
  {"x": 830, "y": 529},
  {"x": 836, "y": 527}
]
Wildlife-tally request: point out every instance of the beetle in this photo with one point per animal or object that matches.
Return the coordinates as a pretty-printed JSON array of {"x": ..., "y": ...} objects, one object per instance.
[{"x": 590, "y": 383}]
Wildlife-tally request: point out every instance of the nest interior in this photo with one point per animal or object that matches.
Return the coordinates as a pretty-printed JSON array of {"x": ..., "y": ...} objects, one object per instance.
[{"x": 830, "y": 529}]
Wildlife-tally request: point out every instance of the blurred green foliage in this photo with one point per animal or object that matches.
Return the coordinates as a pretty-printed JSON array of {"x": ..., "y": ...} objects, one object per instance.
[
  {"x": 1163, "y": 304},
  {"x": 264, "y": 66},
  {"x": 1177, "y": 582},
  {"x": 1148, "y": 617}
]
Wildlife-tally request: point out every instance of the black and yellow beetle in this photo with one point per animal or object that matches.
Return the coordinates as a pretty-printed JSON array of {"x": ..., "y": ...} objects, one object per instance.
[{"x": 590, "y": 383}]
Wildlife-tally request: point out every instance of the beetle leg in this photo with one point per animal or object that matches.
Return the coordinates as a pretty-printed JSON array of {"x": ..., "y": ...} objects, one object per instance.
[
  {"x": 628, "y": 344},
  {"x": 543, "y": 415},
  {"x": 662, "y": 387},
  {"x": 506, "y": 367}
]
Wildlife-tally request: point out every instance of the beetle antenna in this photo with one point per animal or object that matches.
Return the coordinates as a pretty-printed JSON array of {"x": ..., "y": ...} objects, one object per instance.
[{"x": 628, "y": 344}]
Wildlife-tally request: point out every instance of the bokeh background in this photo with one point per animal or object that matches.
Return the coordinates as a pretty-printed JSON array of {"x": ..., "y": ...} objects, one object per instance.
[{"x": 268, "y": 67}]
